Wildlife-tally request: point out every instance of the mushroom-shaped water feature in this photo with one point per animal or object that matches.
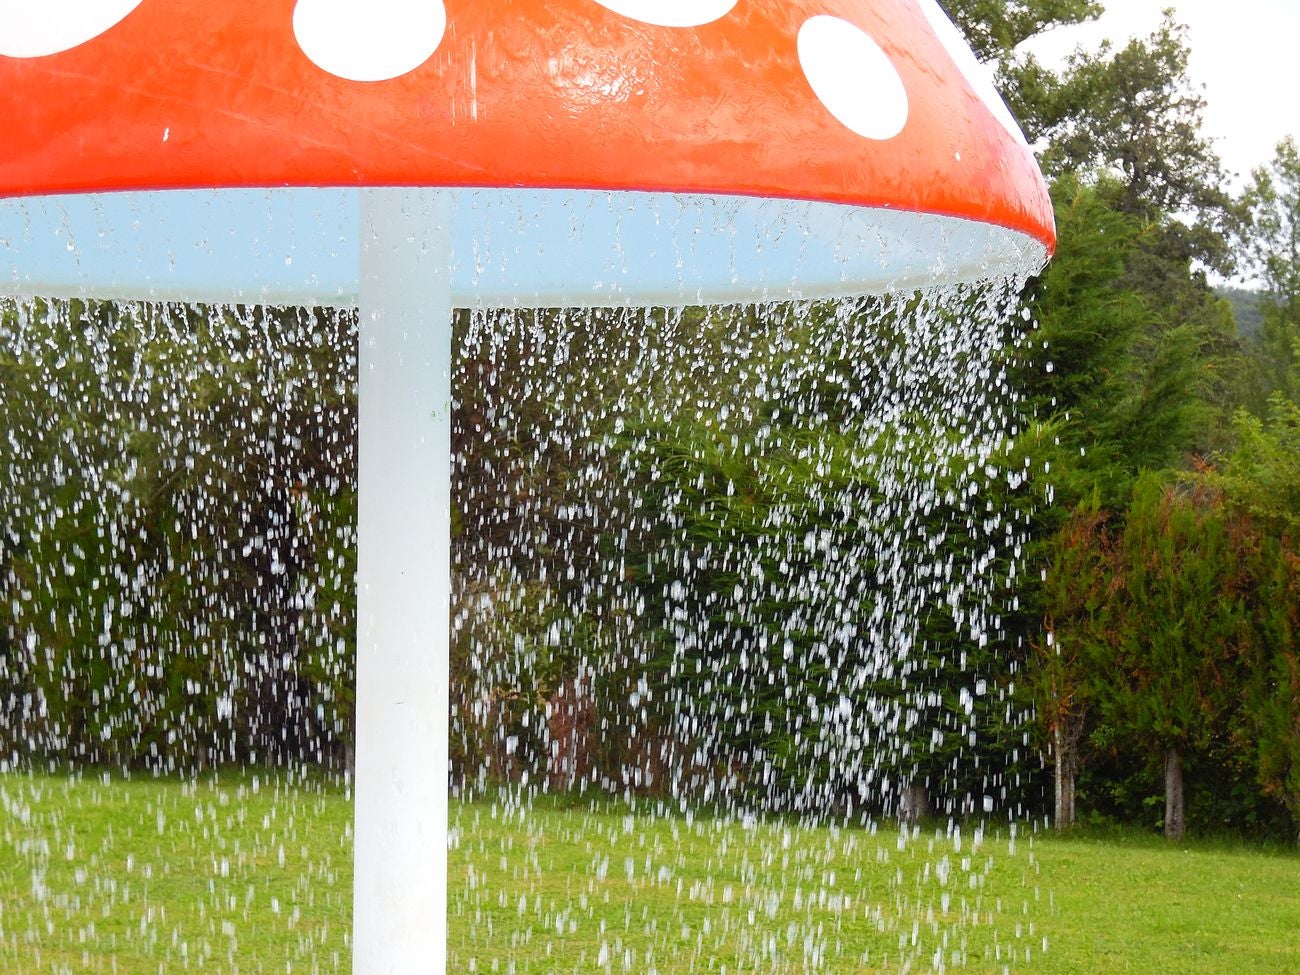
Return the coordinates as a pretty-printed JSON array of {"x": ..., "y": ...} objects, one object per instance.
[{"x": 538, "y": 153}]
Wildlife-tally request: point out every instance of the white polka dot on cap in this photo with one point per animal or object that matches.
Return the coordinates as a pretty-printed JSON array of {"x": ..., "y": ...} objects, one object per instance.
[
  {"x": 853, "y": 77},
  {"x": 35, "y": 29},
  {"x": 369, "y": 40},
  {"x": 671, "y": 13}
]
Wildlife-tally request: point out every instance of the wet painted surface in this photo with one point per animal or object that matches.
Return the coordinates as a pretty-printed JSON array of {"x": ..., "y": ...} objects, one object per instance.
[{"x": 875, "y": 104}]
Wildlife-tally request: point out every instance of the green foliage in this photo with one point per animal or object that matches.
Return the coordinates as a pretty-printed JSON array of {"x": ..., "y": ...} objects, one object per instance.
[
  {"x": 817, "y": 661},
  {"x": 1275, "y": 358},
  {"x": 1262, "y": 475},
  {"x": 513, "y": 644},
  {"x": 994, "y": 28},
  {"x": 1134, "y": 114},
  {"x": 1178, "y": 633},
  {"x": 1273, "y": 693},
  {"x": 1172, "y": 626},
  {"x": 1129, "y": 121},
  {"x": 1270, "y": 237},
  {"x": 1246, "y": 309},
  {"x": 1181, "y": 625},
  {"x": 1078, "y": 595},
  {"x": 1261, "y": 479},
  {"x": 1122, "y": 389},
  {"x": 1153, "y": 598},
  {"x": 1089, "y": 324},
  {"x": 1139, "y": 368},
  {"x": 175, "y": 595}
]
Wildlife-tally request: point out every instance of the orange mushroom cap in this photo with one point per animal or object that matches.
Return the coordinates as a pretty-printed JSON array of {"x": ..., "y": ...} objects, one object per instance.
[{"x": 874, "y": 103}]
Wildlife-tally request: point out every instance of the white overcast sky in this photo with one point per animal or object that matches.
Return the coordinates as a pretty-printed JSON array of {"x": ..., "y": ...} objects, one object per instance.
[{"x": 1246, "y": 54}]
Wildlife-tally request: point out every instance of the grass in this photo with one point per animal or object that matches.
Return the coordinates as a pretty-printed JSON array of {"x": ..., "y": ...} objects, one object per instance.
[
  {"x": 245, "y": 874},
  {"x": 100, "y": 875}
]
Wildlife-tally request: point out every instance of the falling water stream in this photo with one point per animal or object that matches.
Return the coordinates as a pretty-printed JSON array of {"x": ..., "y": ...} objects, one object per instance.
[{"x": 734, "y": 637}]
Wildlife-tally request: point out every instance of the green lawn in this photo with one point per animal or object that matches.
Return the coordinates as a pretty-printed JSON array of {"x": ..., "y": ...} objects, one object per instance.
[{"x": 245, "y": 875}]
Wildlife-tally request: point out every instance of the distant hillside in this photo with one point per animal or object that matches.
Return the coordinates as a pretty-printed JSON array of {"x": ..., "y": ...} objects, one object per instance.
[{"x": 1245, "y": 308}]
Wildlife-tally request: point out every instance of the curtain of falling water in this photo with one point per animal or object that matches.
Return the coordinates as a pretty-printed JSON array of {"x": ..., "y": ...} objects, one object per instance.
[
  {"x": 176, "y": 562},
  {"x": 754, "y": 559},
  {"x": 758, "y": 557}
]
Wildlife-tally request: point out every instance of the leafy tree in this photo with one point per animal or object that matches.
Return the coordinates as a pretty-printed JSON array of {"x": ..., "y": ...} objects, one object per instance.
[
  {"x": 994, "y": 28},
  {"x": 1272, "y": 698},
  {"x": 1084, "y": 376},
  {"x": 1129, "y": 120},
  {"x": 1181, "y": 630},
  {"x": 1079, "y": 600},
  {"x": 995, "y": 31},
  {"x": 1261, "y": 479},
  {"x": 1139, "y": 363},
  {"x": 1133, "y": 113},
  {"x": 1270, "y": 237},
  {"x": 1262, "y": 475},
  {"x": 1114, "y": 393}
]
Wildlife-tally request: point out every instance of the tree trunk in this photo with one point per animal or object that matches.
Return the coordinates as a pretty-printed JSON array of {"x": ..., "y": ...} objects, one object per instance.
[
  {"x": 1175, "y": 801},
  {"x": 1063, "y": 750},
  {"x": 914, "y": 803}
]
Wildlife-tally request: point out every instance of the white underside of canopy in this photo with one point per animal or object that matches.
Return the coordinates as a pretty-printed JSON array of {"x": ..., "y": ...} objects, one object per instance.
[{"x": 512, "y": 247}]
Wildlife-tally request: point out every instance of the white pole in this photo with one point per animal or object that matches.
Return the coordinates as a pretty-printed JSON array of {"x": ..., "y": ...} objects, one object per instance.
[{"x": 399, "y": 924}]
